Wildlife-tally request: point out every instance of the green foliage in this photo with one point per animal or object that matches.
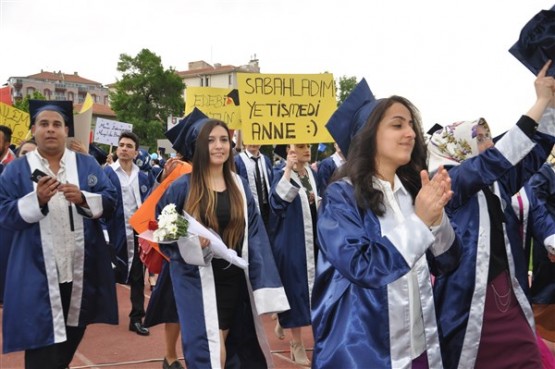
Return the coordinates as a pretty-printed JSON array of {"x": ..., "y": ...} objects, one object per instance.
[
  {"x": 148, "y": 133},
  {"x": 346, "y": 85},
  {"x": 146, "y": 95},
  {"x": 23, "y": 104}
]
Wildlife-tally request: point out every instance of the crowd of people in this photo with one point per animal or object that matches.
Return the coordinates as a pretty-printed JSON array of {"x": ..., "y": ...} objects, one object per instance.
[{"x": 401, "y": 250}]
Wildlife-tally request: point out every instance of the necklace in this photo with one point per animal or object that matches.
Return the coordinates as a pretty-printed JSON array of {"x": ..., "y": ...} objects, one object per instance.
[{"x": 502, "y": 301}]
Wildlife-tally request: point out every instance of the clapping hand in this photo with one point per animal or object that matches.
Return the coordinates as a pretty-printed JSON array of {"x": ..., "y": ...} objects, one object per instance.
[{"x": 433, "y": 196}]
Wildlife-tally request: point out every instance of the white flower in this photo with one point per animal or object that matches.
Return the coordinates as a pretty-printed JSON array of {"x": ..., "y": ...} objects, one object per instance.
[{"x": 171, "y": 225}]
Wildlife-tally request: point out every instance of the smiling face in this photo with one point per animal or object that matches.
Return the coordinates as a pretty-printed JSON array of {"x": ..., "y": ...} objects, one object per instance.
[
  {"x": 219, "y": 146},
  {"x": 394, "y": 140},
  {"x": 50, "y": 133}
]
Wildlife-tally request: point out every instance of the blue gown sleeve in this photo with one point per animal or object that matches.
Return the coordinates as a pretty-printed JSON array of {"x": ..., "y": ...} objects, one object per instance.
[{"x": 354, "y": 245}]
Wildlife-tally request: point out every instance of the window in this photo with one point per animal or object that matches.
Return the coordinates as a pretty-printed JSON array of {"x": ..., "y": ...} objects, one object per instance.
[
  {"x": 70, "y": 96},
  {"x": 47, "y": 94},
  {"x": 30, "y": 90},
  {"x": 230, "y": 80}
]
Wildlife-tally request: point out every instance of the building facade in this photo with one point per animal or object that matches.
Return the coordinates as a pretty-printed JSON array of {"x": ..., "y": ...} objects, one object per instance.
[
  {"x": 202, "y": 74},
  {"x": 59, "y": 86}
]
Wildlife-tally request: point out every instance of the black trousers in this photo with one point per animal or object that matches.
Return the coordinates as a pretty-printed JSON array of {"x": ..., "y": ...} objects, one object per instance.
[
  {"x": 137, "y": 285},
  {"x": 59, "y": 355}
]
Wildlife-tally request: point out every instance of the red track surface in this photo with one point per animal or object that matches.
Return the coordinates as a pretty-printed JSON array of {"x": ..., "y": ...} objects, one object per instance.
[{"x": 115, "y": 347}]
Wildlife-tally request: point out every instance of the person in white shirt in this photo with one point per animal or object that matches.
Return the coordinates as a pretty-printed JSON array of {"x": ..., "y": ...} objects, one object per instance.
[{"x": 132, "y": 187}]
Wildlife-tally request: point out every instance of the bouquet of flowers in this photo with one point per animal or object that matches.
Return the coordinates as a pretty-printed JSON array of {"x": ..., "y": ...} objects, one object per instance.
[{"x": 171, "y": 225}]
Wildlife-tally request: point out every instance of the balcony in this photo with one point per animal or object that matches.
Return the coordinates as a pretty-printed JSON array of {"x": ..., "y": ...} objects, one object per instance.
[
  {"x": 60, "y": 86},
  {"x": 83, "y": 89}
]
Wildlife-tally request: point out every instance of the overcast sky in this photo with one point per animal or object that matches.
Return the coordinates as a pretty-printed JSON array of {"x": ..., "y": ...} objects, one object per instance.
[{"x": 450, "y": 58}]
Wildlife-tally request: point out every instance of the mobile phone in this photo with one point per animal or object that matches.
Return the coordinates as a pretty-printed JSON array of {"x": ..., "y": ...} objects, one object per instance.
[{"x": 37, "y": 174}]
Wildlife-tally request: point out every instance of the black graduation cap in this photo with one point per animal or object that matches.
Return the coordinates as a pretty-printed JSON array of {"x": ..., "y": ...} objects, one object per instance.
[
  {"x": 536, "y": 44},
  {"x": 281, "y": 150},
  {"x": 184, "y": 135},
  {"x": 99, "y": 154},
  {"x": 351, "y": 115},
  {"x": 234, "y": 96},
  {"x": 65, "y": 108}
]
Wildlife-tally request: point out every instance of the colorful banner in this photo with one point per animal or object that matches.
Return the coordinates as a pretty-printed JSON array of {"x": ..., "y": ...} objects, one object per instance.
[
  {"x": 108, "y": 131},
  {"x": 286, "y": 108},
  {"x": 215, "y": 103},
  {"x": 6, "y": 95},
  {"x": 17, "y": 120}
]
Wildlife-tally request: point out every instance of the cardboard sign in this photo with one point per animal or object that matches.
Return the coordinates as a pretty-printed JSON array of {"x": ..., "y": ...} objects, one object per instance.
[
  {"x": 286, "y": 108},
  {"x": 18, "y": 120},
  {"x": 108, "y": 131},
  {"x": 215, "y": 103}
]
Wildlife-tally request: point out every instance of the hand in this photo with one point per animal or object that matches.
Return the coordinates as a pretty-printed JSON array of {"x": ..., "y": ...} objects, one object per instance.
[
  {"x": 72, "y": 193},
  {"x": 433, "y": 196},
  {"x": 204, "y": 242},
  {"x": 78, "y": 146},
  {"x": 291, "y": 159},
  {"x": 46, "y": 188},
  {"x": 109, "y": 159},
  {"x": 551, "y": 257},
  {"x": 170, "y": 165},
  {"x": 544, "y": 84},
  {"x": 545, "y": 87}
]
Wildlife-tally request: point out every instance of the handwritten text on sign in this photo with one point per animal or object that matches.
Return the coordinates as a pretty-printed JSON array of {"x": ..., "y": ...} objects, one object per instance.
[
  {"x": 213, "y": 102},
  {"x": 17, "y": 120},
  {"x": 108, "y": 131},
  {"x": 286, "y": 108}
]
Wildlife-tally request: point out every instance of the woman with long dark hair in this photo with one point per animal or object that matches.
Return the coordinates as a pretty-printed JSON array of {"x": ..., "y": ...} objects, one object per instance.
[
  {"x": 219, "y": 304},
  {"x": 381, "y": 229}
]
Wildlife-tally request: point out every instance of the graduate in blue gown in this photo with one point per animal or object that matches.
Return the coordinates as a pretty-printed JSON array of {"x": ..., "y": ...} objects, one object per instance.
[
  {"x": 328, "y": 167},
  {"x": 382, "y": 232},
  {"x": 219, "y": 305},
  {"x": 542, "y": 290},
  {"x": 132, "y": 186},
  {"x": 485, "y": 318},
  {"x": 59, "y": 276}
]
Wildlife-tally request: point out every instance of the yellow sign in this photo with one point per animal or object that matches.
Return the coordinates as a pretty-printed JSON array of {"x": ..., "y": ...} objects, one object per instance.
[
  {"x": 286, "y": 108},
  {"x": 215, "y": 103},
  {"x": 17, "y": 120}
]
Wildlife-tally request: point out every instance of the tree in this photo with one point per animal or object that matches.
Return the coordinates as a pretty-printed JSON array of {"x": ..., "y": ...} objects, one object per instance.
[
  {"x": 23, "y": 104},
  {"x": 146, "y": 95},
  {"x": 346, "y": 85}
]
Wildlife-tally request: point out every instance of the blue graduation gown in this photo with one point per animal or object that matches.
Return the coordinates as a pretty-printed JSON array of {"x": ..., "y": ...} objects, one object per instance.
[
  {"x": 535, "y": 224},
  {"x": 360, "y": 306},
  {"x": 32, "y": 296},
  {"x": 326, "y": 169},
  {"x": 241, "y": 161},
  {"x": 460, "y": 296},
  {"x": 195, "y": 295},
  {"x": 116, "y": 225},
  {"x": 543, "y": 278},
  {"x": 292, "y": 237}
]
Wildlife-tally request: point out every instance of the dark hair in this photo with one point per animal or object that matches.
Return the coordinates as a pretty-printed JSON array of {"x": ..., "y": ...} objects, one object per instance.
[
  {"x": 18, "y": 150},
  {"x": 360, "y": 167},
  {"x": 201, "y": 202},
  {"x": 131, "y": 135},
  {"x": 7, "y": 131}
]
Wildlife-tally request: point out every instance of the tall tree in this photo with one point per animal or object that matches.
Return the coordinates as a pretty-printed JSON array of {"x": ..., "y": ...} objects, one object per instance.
[
  {"x": 146, "y": 95},
  {"x": 346, "y": 85}
]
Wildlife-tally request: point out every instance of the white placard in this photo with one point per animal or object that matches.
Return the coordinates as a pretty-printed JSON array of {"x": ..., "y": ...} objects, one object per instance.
[{"x": 108, "y": 131}]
